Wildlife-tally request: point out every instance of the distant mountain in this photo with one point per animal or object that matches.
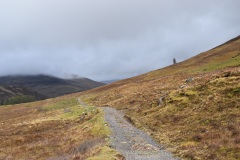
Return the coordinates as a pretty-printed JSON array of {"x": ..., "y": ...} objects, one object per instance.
[
  {"x": 84, "y": 82},
  {"x": 44, "y": 85},
  {"x": 110, "y": 81}
]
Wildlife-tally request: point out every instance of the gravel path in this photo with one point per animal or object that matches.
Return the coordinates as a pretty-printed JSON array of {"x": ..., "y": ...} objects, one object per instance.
[{"x": 131, "y": 142}]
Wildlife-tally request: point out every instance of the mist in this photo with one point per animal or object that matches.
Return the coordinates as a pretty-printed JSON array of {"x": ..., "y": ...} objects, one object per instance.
[{"x": 109, "y": 39}]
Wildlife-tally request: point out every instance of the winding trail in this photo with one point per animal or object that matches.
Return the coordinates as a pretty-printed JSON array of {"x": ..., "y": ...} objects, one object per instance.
[
  {"x": 131, "y": 142},
  {"x": 83, "y": 104}
]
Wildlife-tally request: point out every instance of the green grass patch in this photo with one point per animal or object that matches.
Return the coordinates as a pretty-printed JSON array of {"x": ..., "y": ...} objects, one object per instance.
[
  {"x": 230, "y": 62},
  {"x": 60, "y": 104},
  {"x": 99, "y": 125},
  {"x": 75, "y": 112}
]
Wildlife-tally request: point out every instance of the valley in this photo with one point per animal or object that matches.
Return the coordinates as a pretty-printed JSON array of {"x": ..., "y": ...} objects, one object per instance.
[{"x": 189, "y": 109}]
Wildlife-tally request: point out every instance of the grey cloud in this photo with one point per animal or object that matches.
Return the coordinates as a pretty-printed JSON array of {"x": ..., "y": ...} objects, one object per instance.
[{"x": 108, "y": 39}]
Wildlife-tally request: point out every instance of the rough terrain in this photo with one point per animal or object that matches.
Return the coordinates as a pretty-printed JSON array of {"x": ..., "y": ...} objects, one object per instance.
[{"x": 192, "y": 107}]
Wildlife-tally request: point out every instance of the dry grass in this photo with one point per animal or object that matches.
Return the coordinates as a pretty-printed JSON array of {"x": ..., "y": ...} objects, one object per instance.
[{"x": 52, "y": 129}]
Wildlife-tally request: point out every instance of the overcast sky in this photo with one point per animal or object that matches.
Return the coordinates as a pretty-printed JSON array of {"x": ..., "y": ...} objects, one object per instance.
[{"x": 109, "y": 39}]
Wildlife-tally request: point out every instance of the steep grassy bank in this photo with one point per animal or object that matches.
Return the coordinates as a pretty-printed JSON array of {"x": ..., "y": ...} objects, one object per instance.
[
  {"x": 196, "y": 120},
  {"x": 197, "y": 116}
]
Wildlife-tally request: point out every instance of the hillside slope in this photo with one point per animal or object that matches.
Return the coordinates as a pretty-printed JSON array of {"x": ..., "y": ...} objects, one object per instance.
[
  {"x": 84, "y": 82},
  {"x": 9, "y": 91},
  {"x": 192, "y": 107},
  {"x": 50, "y": 86}
]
